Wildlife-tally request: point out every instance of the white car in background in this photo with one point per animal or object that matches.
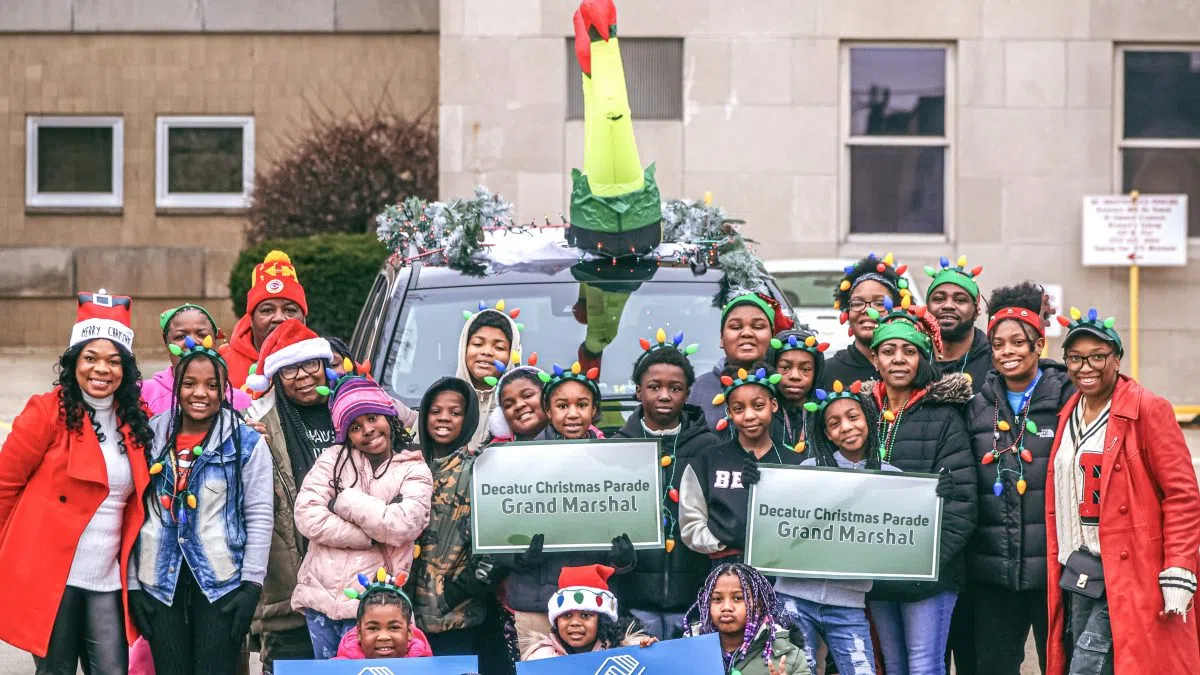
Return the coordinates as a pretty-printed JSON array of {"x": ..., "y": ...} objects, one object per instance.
[{"x": 809, "y": 283}]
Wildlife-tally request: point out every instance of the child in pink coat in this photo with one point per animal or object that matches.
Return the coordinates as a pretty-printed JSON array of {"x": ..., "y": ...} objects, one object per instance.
[{"x": 385, "y": 622}]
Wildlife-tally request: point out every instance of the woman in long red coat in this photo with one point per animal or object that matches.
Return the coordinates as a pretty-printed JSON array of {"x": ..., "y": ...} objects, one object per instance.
[
  {"x": 72, "y": 475},
  {"x": 1121, "y": 488}
]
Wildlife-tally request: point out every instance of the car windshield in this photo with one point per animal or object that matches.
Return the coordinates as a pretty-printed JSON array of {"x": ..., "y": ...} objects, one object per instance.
[
  {"x": 808, "y": 289},
  {"x": 425, "y": 344}
]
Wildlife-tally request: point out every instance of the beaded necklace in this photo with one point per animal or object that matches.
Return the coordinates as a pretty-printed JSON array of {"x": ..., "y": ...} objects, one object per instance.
[
  {"x": 1017, "y": 448},
  {"x": 671, "y": 492},
  {"x": 892, "y": 420}
]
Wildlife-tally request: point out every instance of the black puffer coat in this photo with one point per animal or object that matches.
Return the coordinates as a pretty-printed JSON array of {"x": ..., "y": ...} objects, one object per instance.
[
  {"x": 1009, "y": 546},
  {"x": 847, "y": 366},
  {"x": 668, "y": 582},
  {"x": 933, "y": 436}
]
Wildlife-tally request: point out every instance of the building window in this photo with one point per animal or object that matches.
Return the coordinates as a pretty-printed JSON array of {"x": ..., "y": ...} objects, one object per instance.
[
  {"x": 897, "y": 139},
  {"x": 204, "y": 162},
  {"x": 1160, "y": 137},
  {"x": 74, "y": 162},
  {"x": 653, "y": 75}
]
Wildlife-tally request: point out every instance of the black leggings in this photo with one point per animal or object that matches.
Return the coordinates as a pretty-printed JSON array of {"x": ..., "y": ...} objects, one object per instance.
[
  {"x": 191, "y": 636},
  {"x": 89, "y": 626}
]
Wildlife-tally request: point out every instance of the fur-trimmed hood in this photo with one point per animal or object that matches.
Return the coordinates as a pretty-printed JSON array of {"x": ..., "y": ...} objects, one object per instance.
[{"x": 949, "y": 388}]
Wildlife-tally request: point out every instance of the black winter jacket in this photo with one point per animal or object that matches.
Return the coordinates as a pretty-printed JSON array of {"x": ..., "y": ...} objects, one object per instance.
[
  {"x": 1009, "y": 546},
  {"x": 847, "y": 366},
  {"x": 668, "y": 582},
  {"x": 977, "y": 364},
  {"x": 933, "y": 436}
]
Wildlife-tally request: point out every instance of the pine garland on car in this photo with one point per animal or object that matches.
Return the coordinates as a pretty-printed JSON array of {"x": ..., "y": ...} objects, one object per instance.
[
  {"x": 452, "y": 232},
  {"x": 716, "y": 237}
]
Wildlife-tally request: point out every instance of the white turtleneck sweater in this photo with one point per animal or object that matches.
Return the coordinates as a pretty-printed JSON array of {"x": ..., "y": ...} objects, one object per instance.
[{"x": 97, "y": 566}]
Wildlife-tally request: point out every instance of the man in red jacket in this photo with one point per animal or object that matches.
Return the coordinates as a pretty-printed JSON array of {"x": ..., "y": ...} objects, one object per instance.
[{"x": 275, "y": 296}]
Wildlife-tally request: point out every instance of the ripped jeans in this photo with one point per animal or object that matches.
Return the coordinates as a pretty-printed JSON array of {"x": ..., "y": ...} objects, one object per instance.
[
  {"x": 1091, "y": 632},
  {"x": 844, "y": 630}
]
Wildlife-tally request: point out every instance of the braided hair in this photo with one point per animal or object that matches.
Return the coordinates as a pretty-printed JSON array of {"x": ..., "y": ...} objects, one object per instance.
[
  {"x": 763, "y": 608},
  {"x": 823, "y": 448},
  {"x": 401, "y": 440},
  {"x": 379, "y": 596},
  {"x": 127, "y": 400}
]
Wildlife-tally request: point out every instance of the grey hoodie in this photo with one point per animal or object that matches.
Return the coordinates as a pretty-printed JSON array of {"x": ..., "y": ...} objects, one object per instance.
[{"x": 487, "y": 399}]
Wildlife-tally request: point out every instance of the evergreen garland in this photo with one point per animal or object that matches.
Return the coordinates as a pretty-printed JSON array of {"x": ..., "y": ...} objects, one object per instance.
[
  {"x": 716, "y": 237},
  {"x": 451, "y": 232}
]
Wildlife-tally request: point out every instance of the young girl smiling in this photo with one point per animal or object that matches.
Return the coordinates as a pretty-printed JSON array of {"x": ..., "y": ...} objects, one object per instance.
[
  {"x": 583, "y": 617},
  {"x": 384, "y": 623}
]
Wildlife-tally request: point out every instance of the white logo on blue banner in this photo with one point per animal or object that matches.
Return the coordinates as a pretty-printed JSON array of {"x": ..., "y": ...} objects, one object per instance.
[
  {"x": 694, "y": 656},
  {"x": 435, "y": 665}
]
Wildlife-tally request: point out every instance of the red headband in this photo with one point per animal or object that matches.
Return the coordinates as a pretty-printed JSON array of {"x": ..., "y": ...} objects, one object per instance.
[{"x": 1028, "y": 316}]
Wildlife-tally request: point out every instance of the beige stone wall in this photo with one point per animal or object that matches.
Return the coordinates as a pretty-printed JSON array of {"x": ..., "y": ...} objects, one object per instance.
[
  {"x": 1034, "y": 117},
  {"x": 156, "y": 257}
]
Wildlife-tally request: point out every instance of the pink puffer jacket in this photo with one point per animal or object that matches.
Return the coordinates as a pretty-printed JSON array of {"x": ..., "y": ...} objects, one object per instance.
[
  {"x": 350, "y": 648},
  {"x": 373, "y": 524}
]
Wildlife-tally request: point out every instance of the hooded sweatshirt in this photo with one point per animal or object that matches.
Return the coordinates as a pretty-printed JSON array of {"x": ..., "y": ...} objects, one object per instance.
[
  {"x": 487, "y": 397},
  {"x": 241, "y": 353},
  {"x": 976, "y": 363},
  {"x": 158, "y": 391},
  {"x": 446, "y": 542},
  {"x": 350, "y": 648},
  {"x": 707, "y": 386}
]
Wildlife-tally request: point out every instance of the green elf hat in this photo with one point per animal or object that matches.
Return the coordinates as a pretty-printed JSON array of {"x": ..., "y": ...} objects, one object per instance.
[
  {"x": 1092, "y": 325},
  {"x": 902, "y": 324},
  {"x": 758, "y": 377},
  {"x": 380, "y": 582},
  {"x": 164, "y": 319},
  {"x": 551, "y": 381},
  {"x": 957, "y": 274},
  {"x": 483, "y": 307},
  {"x": 780, "y": 321},
  {"x": 824, "y": 398}
]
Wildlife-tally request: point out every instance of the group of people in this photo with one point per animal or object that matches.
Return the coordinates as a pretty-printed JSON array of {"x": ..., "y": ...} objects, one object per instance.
[{"x": 269, "y": 487}]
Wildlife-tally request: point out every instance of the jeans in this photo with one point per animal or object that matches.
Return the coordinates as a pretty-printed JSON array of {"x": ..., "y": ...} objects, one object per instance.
[
  {"x": 89, "y": 626},
  {"x": 1092, "y": 634},
  {"x": 662, "y": 625},
  {"x": 191, "y": 636},
  {"x": 844, "y": 629},
  {"x": 912, "y": 635},
  {"x": 1005, "y": 617},
  {"x": 326, "y": 633}
]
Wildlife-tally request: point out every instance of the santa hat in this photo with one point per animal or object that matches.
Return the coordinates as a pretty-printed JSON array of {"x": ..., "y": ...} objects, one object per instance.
[
  {"x": 275, "y": 277},
  {"x": 584, "y": 589},
  {"x": 101, "y": 315},
  {"x": 289, "y": 344}
]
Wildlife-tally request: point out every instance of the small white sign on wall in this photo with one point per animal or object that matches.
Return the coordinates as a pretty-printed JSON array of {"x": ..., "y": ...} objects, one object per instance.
[{"x": 1119, "y": 233}]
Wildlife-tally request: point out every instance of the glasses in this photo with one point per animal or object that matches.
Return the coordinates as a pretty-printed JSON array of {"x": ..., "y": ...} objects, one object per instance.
[
  {"x": 861, "y": 305},
  {"x": 1096, "y": 361},
  {"x": 309, "y": 367}
]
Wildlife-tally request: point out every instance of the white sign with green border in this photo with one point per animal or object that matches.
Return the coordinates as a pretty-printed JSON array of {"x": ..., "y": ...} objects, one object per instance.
[
  {"x": 578, "y": 494},
  {"x": 826, "y": 523}
]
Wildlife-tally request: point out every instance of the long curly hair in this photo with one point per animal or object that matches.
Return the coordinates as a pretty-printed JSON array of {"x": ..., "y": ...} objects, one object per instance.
[
  {"x": 823, "y": 448},
  {"x": 763, "y": 608},
  {"x": 127, "y": 400}
]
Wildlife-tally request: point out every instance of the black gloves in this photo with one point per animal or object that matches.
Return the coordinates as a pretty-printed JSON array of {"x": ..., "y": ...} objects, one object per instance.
[
  {"x": 141, "y": 610},
  {"x": 750, "y": 474},
  {"x": 945, "y": 486},
  {"x": 621, "y": 555},
  {"x": 532, "y": 557},
  {"x": 475, "y": 579},
  {"x": 239, "y": 605}
]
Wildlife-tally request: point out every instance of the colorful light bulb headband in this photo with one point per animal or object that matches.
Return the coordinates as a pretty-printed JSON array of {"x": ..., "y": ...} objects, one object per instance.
[
  {"x": 661, "y": 342},
  {"x": 1092, "y": 325},
  {"x": 900, "y": 324},
  {"x": 559, "y": 376},
  {"x": 514, "y": 362},
  {"x": 794, "y": 342},
  {"x": 381, "y": 582},
  {"x": 779, "y": 321},
  {"x": 743, "y": 378},
  {"x": 499, "y": 308},
  {"x": 824, "y": 398},
  {"x": 1022, "y": 314},
  {"x": 850, "y": 282},
  {"x": 164, "y": 319},
  {"x": 957, "y": 274},
  {"x": 191, "y": 347}
]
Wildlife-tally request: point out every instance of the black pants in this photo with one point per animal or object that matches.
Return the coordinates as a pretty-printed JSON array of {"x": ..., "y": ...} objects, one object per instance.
[
  {"x": 1004, "y": 618},
  {"x": 294, "y": 644},
  {"x": 191, "y": 636},
  {"x": 960, "y": 643},
  {"x": 462, "y": 642},
  {"x": 89, "y": 627}
]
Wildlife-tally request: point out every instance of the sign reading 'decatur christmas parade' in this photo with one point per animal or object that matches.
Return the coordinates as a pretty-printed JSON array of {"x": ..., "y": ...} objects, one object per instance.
[
  {"x": 831, "y": 524},
  {"x": 578, "y": 495}
]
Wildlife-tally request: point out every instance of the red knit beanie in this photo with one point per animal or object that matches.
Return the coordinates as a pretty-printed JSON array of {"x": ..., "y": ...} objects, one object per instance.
[{"x": 275, "y": 277}]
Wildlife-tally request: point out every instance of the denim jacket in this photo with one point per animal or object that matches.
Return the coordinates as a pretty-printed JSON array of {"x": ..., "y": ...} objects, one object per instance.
[{"x": 224, "y": 541}]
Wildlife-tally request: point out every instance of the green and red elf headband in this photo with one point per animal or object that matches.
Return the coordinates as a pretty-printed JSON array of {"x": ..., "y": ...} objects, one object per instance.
[
  {"x": 958, "y": 275},
  {"x": 769, "y": 306},
  {"x": 911, "y": 325}
]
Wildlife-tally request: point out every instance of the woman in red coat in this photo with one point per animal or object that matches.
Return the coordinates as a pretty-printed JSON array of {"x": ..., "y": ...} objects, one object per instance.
[
  {"x": 1122, "y": 504},
  {"x": 72, "y": 476}
]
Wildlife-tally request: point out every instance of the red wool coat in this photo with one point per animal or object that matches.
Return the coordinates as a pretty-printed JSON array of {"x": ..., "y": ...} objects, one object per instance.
[
  {"x": 51, "y": 484},
  {"x": 1149, "y": 521}
]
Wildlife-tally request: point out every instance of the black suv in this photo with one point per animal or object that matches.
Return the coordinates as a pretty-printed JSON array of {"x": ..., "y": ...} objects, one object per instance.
[{"x": 410, "y": 324}]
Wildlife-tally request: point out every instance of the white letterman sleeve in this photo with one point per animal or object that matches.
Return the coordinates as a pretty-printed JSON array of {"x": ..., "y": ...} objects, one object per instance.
[{"x": 693, "y": 515}]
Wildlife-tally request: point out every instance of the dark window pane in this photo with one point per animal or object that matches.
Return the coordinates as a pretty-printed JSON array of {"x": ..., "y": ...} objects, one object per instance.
[
  {"x": 75, "y": 159},
  {"x": 897, "y": 190},
  {"x": 1162, "y": 94},
  {"x": 653, "y": 75},
  {"x": 204, "y": 160},
  {"x": 1165, "y": 172},
  {"x": 897, "y": 91}
]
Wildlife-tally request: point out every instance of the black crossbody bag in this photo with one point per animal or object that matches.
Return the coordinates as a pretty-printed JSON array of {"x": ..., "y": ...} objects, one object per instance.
[{"x": 1083, "y": 574}]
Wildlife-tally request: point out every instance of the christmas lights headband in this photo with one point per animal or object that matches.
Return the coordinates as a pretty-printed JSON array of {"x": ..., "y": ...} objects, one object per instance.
[
  {"x": 824, "y": 398},
  {"x": 661, "y": 342},
  {"x": 514, "y": 362},
  {"x": 165, "y": 318},
  {"x": 499, "y": 308},
  {"x": 551, "y": 381},
  {"x": 794, "y": 342},
  {"x": 770, "y": 306},
  {"x": 1091, "y": 325},
  {"x": 1022, "y": 314},
  {"x": 191, "y": 347},
  {"x": 903, "y": 323},
  {"x": 382, "y": 582},
  {"x": 958, "y": 275},
  {"x": 849, "y": 282},
  {"x": 743, "y": 378}
]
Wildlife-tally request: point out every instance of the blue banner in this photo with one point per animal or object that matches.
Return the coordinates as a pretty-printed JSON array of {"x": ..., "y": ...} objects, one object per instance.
[
  {"x": 433, "y": 665},
  {"x": 694, "y": 656}
]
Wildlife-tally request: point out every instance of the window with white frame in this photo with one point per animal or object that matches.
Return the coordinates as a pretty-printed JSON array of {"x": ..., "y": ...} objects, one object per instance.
[
  {"x": 896, "y": 132},
  {"x": 204, "y": 162},
  {"x": 653, "y": 75},
  {"x": 74, "y": 162},
  {"x": 1160, "y": 131}
]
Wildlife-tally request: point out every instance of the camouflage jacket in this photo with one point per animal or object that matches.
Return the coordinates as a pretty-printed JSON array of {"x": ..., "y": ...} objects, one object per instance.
[{"x": 446, "y": 548}]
